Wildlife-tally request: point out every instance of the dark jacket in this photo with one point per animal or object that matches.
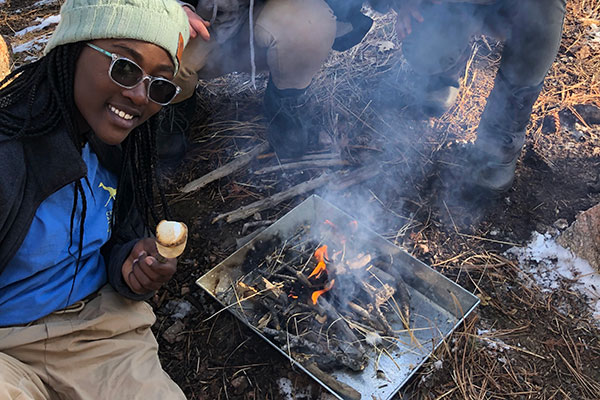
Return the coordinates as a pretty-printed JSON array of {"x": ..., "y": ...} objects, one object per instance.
[{"x": 34, "y": 168}]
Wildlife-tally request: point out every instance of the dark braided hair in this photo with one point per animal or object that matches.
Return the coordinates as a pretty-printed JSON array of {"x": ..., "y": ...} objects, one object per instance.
[{"x": 56, "y": 109}]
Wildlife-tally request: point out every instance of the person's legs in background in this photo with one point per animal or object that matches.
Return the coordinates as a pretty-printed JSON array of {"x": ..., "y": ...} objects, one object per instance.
[
  {"x": 297, "y": 36},
  {"x": 437, "y": 51},
  {"x": 292, "y": 40},
  {"x": 531, "y": 45}
]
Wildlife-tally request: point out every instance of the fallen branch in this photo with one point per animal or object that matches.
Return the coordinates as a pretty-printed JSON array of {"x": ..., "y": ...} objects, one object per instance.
[
  {"x": 302, "y": 164},
  {"x": 314, "y": 156},
  {"x": 269, "y": 202},
  {"x": 346, "y": 391},
  {"x": 229, "y": 168},
  {"x": 254, "y": 224},
  {"x": 358, "y": 176}
]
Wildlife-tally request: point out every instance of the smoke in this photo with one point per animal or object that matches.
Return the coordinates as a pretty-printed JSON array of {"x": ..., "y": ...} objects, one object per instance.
[
  {"x": 404, "y": 109},
  {"x": 405, "y": 106}
]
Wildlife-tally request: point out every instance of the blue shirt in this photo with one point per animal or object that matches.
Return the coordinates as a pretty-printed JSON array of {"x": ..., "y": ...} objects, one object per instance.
[{"x": 38, "y": 280}]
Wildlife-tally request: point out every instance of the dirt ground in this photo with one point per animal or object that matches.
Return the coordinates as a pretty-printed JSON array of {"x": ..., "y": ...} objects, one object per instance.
[{"x": 550, "y": 340}]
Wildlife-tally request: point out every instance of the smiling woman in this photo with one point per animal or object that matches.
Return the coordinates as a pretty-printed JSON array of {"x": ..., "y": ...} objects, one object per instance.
[
  {"x": 123, "y": 98},
  {"x": 77, "y": 152}
]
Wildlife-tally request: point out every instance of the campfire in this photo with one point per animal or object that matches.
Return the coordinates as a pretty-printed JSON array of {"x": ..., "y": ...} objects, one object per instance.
[
  {"x": 332, "y": 296},
  {"x": 319, "y": 295}
]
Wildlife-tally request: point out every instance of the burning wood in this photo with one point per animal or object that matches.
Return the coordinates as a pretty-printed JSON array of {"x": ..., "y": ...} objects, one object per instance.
[
  {"x": 363, "y": 335},
  {"x": 310, "y": 293}
]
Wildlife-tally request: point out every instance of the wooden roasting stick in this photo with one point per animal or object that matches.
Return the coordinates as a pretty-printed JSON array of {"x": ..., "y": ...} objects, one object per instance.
[{"x": 171, "y": 238}]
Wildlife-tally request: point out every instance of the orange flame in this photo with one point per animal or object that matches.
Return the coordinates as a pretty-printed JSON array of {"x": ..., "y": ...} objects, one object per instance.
[
  {"x": 317, "y": 293},
  {"x": 321, "y": 255},
  {"x": 318, "y": 270}
]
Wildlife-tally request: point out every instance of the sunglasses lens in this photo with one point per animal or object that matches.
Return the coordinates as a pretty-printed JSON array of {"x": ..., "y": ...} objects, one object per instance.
[
  {"x": 126, "y": 73},
  {"x": 162, "y": 91}
]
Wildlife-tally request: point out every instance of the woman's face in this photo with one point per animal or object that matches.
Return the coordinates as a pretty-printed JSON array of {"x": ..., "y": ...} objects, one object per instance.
[{"x": 108, "y": 109}]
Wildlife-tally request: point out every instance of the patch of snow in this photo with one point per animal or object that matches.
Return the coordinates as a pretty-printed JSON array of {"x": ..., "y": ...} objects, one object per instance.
[
  {"x": 497, "y": 344},
  {"x": 33, "y": 45},
  {"x": 178, "y": 308},
  {"x": 30, "y": 59},
  {"x": 288, "y": 392},
  {"x": 43, "y": 3},
  {"x": 286, "y": 388},
  {"x": 492, "y": 343},
  {"x": 43, "y": 23},
  {"x": 550, "y": 265}
]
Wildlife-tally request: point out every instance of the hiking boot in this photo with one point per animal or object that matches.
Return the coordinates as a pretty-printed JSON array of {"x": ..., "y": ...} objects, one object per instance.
[
  {"x": 418, "y": 96},
  {"x": 286, "y": 116},
  {"x": 439, "y": 100},
  {"x": 438, "y": 96},
  {"x": 174, "y": 123},
  {"x": 501, "y": 135}
]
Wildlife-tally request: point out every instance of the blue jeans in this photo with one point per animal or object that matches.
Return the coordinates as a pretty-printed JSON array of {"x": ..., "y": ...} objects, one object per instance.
[{"x": 530, "y": 30}]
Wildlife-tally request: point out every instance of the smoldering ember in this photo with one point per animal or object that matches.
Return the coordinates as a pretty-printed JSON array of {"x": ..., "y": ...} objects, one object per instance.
[{"x": 361, "y": 269}]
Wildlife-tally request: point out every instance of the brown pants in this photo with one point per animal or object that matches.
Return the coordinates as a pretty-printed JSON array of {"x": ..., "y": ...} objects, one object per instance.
[
  {"x": 292, "y": 37},
  {"x": 104, "y": 351}
]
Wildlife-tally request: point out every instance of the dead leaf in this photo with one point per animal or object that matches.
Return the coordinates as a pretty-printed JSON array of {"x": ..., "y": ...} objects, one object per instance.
[{"x": 321, "y": 319}]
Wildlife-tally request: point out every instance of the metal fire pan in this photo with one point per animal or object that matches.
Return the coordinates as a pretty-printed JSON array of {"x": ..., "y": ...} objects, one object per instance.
[{"x": 438, "y": 305}]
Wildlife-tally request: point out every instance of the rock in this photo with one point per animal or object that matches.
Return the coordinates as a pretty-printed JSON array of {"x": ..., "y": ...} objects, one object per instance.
[
  {"x": 583, "y": 236},
  {"x": 185, "y": 289},
  {"x": 550, "y": 124},
  {"x": 561, "y": 224},
  {"x": 240, "y": 384},
  {"x": 589, "y": 112},
  {"x": 5, "y": 57},
  {"x": 172, "y": 334}
]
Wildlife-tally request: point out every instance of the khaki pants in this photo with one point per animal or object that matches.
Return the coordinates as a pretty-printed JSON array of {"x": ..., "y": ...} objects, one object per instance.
[
  {"x": 292, "y": 41},
  {"x": 104, "y": 351}
]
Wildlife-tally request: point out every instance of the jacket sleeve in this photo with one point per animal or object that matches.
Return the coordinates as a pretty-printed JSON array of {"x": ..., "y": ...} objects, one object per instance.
[{"x": 114, "y": 264}]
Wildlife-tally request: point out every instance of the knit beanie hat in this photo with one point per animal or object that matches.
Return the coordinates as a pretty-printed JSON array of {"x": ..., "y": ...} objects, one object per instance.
[{"x": 162, "y": 22}]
